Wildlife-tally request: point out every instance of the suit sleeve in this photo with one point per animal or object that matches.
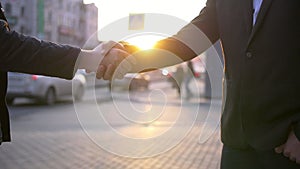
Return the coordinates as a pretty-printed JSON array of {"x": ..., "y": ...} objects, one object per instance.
[
  {"x": 190, "y": 41},
  {"x": 19, "y": 53}
]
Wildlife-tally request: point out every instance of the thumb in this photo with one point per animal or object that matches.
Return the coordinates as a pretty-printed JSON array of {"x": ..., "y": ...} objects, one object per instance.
[{"x": 279, "y": 149}]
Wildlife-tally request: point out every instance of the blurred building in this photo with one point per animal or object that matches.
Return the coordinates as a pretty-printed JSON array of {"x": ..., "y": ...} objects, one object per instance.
[
  {"x": 69, "y": 21},
  {"x": 90, "y": 18},
  {"x": 62, "y": 21},
  {"x": 22, "y": 15}
]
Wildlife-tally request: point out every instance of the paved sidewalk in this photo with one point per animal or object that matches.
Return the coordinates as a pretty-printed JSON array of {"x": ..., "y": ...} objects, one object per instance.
[{"x": 72, "y": 149}]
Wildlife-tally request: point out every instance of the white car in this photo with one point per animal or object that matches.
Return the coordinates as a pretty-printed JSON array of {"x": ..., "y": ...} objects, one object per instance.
[{"x": 44, "y": 88}]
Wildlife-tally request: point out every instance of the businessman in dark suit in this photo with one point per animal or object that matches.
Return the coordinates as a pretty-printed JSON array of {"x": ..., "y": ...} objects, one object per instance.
[
  {"x": 260, "y": 125},
  {"x": 19, "y": 53}
]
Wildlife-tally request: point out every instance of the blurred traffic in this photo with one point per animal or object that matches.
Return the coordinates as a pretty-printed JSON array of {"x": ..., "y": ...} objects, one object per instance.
[
  {"x": 43, "y": 88},
  {"x": 49, "y": 90}
]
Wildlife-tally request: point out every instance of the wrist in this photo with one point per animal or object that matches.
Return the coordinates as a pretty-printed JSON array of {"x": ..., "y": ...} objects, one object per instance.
[{"x": 88, "y": 59}]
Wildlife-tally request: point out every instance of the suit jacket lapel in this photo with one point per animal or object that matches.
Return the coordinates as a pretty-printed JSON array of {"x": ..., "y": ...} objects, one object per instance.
[
  {"x": 262, "y": 13},
  {"x": 248, "y": 9}
]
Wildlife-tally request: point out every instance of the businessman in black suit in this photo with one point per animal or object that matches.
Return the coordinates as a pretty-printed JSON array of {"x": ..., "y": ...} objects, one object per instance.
[
  {"x": 260, "y": 125},
  {"x": 19, "y": 53}
]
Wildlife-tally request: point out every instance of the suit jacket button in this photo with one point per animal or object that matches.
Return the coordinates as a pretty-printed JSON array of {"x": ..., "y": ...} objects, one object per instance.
[{"x": 249, "y": 55}]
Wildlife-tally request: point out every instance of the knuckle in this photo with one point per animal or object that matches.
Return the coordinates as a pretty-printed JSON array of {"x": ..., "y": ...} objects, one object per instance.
[
  {"x": 98, "y": 77},
  {"x": 113, "y": 52},
  {"x": 105, "y": 77},
  {"x": 119, "y": 52},
  {"x": 286, "y": 153},
  {"x": 118, "y": 46}
]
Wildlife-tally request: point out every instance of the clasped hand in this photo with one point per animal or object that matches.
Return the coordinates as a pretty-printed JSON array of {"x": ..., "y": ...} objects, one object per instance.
[
  {"x": 290, "y": 149},
  {"x": 109, "y": 60}
]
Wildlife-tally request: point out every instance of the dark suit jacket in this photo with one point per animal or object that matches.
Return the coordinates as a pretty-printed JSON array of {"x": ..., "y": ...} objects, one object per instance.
[
  {"x": 261, "y": 68},
  {"x": 19, "y": 53}
]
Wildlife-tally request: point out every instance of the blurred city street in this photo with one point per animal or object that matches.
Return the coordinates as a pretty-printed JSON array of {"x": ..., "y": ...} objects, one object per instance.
[{"x": 52, "y": 136}]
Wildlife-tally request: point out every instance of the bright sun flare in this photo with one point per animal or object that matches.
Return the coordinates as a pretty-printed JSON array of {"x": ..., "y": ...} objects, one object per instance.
[{"x": 144, "y": 42}]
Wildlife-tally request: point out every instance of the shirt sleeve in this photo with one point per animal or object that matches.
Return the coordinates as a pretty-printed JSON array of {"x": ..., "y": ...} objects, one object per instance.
[{"x": 25, "y": 54}]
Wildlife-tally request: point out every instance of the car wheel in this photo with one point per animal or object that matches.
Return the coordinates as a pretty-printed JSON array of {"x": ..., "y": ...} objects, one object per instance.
[
  {"x": 79, "y": 93},
  {"x": 50, "y": 97}
]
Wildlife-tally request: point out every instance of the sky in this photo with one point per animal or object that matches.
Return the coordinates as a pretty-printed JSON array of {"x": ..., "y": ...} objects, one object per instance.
[{"x": 110, "y": 11}]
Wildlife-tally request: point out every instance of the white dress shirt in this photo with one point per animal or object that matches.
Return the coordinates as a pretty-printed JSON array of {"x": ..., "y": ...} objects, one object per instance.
[{"x": 256, "y": 8}]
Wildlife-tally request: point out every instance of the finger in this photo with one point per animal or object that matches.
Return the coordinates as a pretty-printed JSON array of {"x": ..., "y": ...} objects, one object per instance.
[
  {"x": 118, "y": 58},
  {"x": 119, "y": 46},
  {"x": 112, "y": 45},
  {"x": 105, "y": 45},
  {"x": 286, "y": 153},
  {"x": 121, "y": 53},
  {"x": 114, "y": 56},
  {"x": 100, "y": 72},
  {"x": 109, "y": 72},
  {"x": 279, "y": 149}
]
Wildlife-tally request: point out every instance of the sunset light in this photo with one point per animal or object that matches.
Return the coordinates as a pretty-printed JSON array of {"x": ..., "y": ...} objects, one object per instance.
[{"x": 144, "y": 42}]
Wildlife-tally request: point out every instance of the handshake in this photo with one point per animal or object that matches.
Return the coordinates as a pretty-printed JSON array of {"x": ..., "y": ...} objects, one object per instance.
[
  {"x": 109, "y": 60},
  {"x": 112, "y": 60}
]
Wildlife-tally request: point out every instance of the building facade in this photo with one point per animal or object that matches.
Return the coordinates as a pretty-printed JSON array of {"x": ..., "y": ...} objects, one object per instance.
[
  {"x": 62, "y": 21},
  {"x": 69, "y": 21},
  {"x": 21, "y": 15}
]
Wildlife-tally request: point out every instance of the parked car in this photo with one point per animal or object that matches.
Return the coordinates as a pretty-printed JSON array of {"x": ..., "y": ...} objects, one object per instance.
[
  {"x": 132, "y": 81},
  {"x": 44, "y": 88}
]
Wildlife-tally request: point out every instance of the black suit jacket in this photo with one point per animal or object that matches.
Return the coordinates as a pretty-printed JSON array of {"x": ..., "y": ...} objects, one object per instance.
[
  {"x": 261, "y": 67},
  {"x": 19, "y": 53}
]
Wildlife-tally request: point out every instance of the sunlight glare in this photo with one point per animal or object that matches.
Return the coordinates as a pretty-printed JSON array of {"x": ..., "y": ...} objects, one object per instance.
[{"x": 144, "y": 42}]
